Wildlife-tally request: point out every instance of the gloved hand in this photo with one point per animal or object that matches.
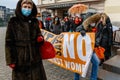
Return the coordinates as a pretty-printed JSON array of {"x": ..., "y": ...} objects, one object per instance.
[
  {"x": 83, "y": 32},
  {"x": 40, "y": 39},
  {"x": 12, "y": 66}
]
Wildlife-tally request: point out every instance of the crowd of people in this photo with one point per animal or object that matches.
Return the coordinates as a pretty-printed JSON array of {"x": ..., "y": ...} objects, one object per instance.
[
  {"x": 23, "y": 39},
  {"x": 99, "y": 23},
  {"x": 58, "y": 25}
]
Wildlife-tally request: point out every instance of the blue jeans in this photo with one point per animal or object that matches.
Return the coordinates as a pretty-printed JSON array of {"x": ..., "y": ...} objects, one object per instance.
[{"x": 95, "y": 66}]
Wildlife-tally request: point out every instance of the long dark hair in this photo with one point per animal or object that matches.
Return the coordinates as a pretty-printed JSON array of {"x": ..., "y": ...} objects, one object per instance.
[
  {"x": 58, "y": 21},
  {"x": 19, "y": 13}
]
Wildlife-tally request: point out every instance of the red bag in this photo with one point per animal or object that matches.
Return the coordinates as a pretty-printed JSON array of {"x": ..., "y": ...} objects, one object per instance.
[
  {"x": 47, "y": 50},
  {"x": 100, "y": 52}
]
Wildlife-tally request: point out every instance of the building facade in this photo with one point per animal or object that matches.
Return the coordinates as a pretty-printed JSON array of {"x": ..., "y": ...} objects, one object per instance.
[
  {"x": 60, "y": 7},
  {"x": 5, "y": 15},
  {"x": 2, "y": 12},
  {"x": 112, "y": 8},
  {"x": 9, "y": 13}
]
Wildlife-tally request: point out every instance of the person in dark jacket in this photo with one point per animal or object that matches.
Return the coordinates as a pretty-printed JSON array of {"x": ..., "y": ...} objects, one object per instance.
[
  {"x": 22, "y": 42},
  {"x": 76, "y": 22},
  {"x": 66, "y": 27},
  {"x": 89, "y": 26},
  {"x": 105, "y": 34},
  {"x": 94, "y": 59},
  {"x": 41, "y": 25},
  {"x": 47, "y": 23},
  {"x": 56, "y": 27}
]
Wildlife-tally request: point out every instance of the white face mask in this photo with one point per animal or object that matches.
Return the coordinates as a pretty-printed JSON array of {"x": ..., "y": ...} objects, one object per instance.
[
  {"x": 92, "y": 24},
  {"x": 39, "y": 18},
  {"x": 56, "y": 19}
]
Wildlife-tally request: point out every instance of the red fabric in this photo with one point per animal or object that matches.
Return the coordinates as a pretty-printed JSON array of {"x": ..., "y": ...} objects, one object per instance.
[
  {"x": 40, "y": 25},
  {"x": 94, "y": 29},
  {"x": 47, "y": 50},
  {"x": 100, "y": 52},
  {"x": 78, "y": 20},
  {"x": 65, "y": 19},
  {"x": 39, "y": 39},
  {"x": 12, "y": 66},
  {"x": 48, "y": 18}
]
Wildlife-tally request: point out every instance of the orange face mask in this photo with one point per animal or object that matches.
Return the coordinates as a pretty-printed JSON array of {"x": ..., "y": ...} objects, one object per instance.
[{"x": 77, "y": 21}]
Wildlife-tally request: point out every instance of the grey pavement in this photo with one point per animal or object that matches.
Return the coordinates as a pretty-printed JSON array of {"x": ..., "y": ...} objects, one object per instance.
[
  {"x": 5, "y": 72},
  {"x": 53, "y": 72}
]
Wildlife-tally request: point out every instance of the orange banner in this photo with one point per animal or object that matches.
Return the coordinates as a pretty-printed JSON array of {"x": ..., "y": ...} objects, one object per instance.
[{"x": 73, "y": 50}]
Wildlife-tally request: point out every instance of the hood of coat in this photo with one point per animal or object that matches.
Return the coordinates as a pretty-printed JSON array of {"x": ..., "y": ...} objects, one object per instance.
[
  {"x": 94, "y": 19},
  {"x": 19, "y": 14}
]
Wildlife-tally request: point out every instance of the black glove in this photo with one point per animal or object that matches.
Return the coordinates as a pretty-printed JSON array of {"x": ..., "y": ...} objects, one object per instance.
[
  {"x": 83, "y": 32},
  {"x": 79, "y": 28}
]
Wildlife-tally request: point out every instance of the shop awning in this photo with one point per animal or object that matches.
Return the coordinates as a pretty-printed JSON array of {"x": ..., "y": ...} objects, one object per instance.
[
  {"x": 60, "y": 6},
  {"x": 65, "y": 5}
]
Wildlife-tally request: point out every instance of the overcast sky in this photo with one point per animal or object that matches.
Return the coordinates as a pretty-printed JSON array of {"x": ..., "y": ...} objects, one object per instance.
[{"x": 11, "y": 3}]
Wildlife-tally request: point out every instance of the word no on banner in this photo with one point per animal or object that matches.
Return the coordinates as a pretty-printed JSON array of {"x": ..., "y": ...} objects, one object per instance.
[{"x": 74, "y": 51}]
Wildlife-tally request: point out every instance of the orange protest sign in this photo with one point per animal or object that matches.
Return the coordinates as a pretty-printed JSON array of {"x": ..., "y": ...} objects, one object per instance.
[{"x": 73, "y": 50}]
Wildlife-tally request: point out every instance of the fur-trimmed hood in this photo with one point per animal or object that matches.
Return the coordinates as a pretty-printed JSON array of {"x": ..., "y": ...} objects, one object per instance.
[
  {"x": 19, "y": 14},
  {"x": 94, "y": 19}
]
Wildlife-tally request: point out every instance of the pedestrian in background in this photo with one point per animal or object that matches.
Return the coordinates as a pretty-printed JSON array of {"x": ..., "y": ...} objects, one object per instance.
[
  {"x": 48, "y": 21},
  {"x": 22, "y": 42},
  {"x": 41, "y": 25},
  {"x": 76, "y": 22},
  {"x": 56, "y": 27},
  {"x": 66, "y": 27}
]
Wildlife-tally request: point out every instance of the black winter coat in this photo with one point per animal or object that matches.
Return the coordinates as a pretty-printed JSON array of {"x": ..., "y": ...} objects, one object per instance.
[
  {"x": 22, "y": 49},
  {"x": 66, "y": 27},
  {"x": 104, "y": 37}
]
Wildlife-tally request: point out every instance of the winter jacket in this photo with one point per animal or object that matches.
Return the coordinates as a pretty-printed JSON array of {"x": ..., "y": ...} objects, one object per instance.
[
  {"x": 66, "y": 27},
  {"x": 56, "y": 28},
  {"x": 22, "y": 49}
]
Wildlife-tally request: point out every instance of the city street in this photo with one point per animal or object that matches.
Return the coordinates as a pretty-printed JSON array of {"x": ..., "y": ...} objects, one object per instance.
[
  {"x": 53, "y": 72},
  {"x": 76, "y": 29}
]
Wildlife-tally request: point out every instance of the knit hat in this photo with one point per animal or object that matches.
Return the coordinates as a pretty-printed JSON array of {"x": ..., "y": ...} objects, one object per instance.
[{"x": 27, "y": 1}]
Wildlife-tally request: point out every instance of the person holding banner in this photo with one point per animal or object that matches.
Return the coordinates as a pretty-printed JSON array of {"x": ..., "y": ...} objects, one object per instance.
[
  {"x": 95, "y": 66},
  {"x": 22, "y": 42},
  {"x": 95, "y": 60}
]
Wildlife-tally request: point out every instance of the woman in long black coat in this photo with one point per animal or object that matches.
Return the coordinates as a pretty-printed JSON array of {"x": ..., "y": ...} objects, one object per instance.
[
  {"x": 105, "y": 34},
  {"x": 22, "y": 44}
]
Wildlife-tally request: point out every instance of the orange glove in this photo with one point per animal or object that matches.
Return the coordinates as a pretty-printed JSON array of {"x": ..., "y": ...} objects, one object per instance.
[
  {"x": 40, "y": 39},
  {"x": 12, "y": 66}
]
